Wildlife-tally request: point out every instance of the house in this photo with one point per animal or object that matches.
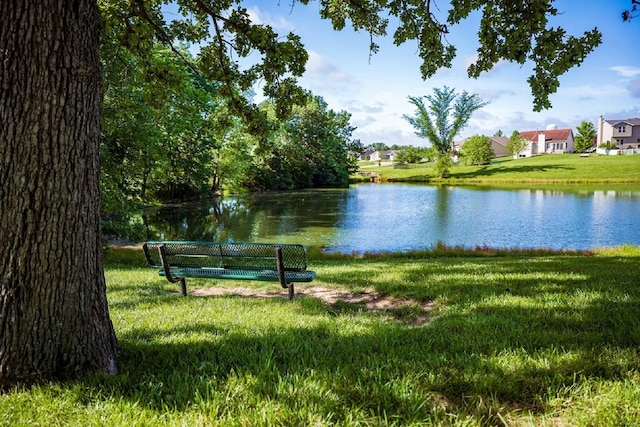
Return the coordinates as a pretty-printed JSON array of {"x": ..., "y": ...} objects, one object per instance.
[
  {"x": 550, "y": 140},
  {"x": 366, "y": 155},
  {"x": 498, "y": 145},
  {"x": 624, "y": 133},
  {"x": 387, "y": 155}
]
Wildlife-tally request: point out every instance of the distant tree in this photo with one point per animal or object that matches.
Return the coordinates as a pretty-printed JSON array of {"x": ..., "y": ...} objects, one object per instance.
[
  {"x": 443, "y": 165},
  {"x": 498, "y": 133},
  {"x": 430, "y": 154},
  {"x": 445, "y": 116},
  {"x": 412, "y": 154},
  {"x": 379, "y": 146},
  {"x": 585, "y": 137},
  {"x": 477, "y": 150},
  {"x": 516, "y": 143},
  {"x": 311, "y": 149}
]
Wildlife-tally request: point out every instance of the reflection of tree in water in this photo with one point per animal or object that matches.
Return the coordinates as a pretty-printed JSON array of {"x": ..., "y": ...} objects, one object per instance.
[
  {"x": 246, "y": 218},
  {"x": 442, "y": 207}
]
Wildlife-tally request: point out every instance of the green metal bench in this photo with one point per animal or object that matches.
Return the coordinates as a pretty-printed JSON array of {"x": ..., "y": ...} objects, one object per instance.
[{"x": 284, "y": 263}]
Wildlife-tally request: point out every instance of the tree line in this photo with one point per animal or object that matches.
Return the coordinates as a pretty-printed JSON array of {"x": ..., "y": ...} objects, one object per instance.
[{"x": 167, "y": 134}]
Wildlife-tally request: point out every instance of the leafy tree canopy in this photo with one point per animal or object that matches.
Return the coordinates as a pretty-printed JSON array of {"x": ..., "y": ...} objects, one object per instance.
[
  {"x": 586, "y": 136},
  {"x": 446, "y": 114},
  {"x": 226, "y": 33},
  {"x": 477, "y": 150},
  {"x": 516, "y": 143}
]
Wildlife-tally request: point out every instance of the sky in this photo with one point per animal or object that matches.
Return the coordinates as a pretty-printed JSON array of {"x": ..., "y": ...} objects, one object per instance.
[{"x": 375, "y": 89}]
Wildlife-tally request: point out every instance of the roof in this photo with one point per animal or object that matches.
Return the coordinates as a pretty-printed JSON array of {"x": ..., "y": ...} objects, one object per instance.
[
  {"x": 500, "y": 140},
  {"x": 633, "y": 122},
  {"x": 549, "y": 135}
]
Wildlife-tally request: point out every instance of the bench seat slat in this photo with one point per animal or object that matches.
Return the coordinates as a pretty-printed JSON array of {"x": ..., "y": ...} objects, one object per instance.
[{"x": 226, "y": 273}]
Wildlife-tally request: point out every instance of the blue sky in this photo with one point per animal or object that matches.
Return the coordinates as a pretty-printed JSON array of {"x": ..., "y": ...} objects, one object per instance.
[{"x": 375, "y": 90}]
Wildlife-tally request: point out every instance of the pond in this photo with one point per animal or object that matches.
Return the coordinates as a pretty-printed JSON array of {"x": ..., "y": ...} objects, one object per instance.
[{"x": 402, "y": 217}]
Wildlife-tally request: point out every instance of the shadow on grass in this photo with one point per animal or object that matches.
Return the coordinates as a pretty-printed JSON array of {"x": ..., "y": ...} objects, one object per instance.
[
  {"x": 444, "y": 373},
  {"x": 491, "y": 170},
  {"x": 485, "y": 172},
  {"x": 512, "y": 333}
]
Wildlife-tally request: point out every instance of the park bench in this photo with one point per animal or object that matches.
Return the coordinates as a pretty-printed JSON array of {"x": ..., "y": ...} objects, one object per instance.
[{"x": 284, "y": 263}]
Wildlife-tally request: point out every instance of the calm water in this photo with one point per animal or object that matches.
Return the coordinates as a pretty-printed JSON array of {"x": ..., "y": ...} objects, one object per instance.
[{"x": 400, "y": 217}]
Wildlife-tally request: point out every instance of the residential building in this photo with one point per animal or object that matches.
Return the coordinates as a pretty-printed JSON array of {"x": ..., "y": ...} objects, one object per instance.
[
  {"x": 548, "y": 141},
  {"x": 366, "y": 155},
  {"x": 623, "y": 133},
  {"x": 387, "y": 155},
  {"x": 498, "y": 145}
]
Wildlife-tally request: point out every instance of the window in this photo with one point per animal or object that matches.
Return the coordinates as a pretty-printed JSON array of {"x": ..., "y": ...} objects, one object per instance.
[{"x": 622, "y": 129}]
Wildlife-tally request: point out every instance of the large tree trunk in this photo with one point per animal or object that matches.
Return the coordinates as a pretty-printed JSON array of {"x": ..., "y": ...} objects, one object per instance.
[{"x": 54, "y": 319}]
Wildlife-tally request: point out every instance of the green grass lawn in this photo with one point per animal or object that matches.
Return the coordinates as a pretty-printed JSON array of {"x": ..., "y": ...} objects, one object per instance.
[
  {"x": 502, "y": 339},
  {"x": 550, "y": 168}
]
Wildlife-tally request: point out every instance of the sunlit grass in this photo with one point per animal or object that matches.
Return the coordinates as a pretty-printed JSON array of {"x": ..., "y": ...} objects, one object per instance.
[
  {"x": 544, "y": 169},
  {"x": 512, "y": 338}
]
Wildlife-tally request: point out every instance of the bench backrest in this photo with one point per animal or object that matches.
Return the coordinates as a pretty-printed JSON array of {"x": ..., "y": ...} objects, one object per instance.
[{"x": 231, "y": 255}]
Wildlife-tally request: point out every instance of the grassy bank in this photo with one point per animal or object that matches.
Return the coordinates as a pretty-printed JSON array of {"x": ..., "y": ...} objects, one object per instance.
[
  {"x": 546, "y": 169},
  {"x": 493, "y": 338}
]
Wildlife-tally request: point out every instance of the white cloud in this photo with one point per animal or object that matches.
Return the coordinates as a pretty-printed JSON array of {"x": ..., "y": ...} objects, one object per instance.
[
  {"x": 390, "y": 136},
  {"x": 278, "y": 22},
  {"x": 319, "y": 66},
  {"x": 626, "y": 71},
  {"x": 472, "y": 59},
  {"x": 591, "y": 91},
  {"x": 634, "y": 88}
]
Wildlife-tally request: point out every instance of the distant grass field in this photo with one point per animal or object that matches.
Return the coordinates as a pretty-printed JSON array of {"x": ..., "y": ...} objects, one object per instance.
[
  {"x": 545, "y": 169},
  {"x": 506, "y": 338}
]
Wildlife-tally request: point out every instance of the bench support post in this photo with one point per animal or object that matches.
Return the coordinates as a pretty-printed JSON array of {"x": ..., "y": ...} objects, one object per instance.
[
  {"x": 167, "y": 270},
  {"x": 283, "y": 281}
]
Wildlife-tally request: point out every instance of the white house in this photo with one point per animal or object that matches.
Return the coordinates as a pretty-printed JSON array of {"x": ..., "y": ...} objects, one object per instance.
[
  {"x": 387, "y": 155},
  {"x": 550, "y": 140}
]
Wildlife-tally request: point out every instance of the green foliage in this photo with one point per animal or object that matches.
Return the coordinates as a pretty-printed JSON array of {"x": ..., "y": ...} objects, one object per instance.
[
  {"x": 225, "y": 32},
  {"x": 477, "y": 150},
  {"x": 445, "y": 116},
  {"x": 516, "y": 143},
  {"x": 410, "y": 155},
  {"x": 504, "y": 34},
  {"x": 380, "y": 146},
  {"x": 443, "y": 165},
  {"x": 585, "y": 137},
  {"x": 312, "y": 149},
  {"x": 158, "y": 126},
  {"x": 608, "y": 145}
]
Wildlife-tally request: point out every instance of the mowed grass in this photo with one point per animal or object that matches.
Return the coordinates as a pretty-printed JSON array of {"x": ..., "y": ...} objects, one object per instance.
[
  {"x": 550, "y": 168},
  {"x": 506, "y": 338}
]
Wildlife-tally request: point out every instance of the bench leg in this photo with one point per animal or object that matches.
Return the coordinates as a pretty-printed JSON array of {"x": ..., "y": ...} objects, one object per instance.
[
  {"x": 283, "y": 281},
  {"x": 167, "y": 271}
]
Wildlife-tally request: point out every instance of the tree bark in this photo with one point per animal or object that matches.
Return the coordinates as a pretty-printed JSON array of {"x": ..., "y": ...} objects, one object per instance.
[{"x": 54, "y": 318}]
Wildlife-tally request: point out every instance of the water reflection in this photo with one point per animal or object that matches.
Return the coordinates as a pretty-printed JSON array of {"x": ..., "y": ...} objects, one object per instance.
[
  {"x": 399, "y": 217},
  {"x": 306, "y": 217}
]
